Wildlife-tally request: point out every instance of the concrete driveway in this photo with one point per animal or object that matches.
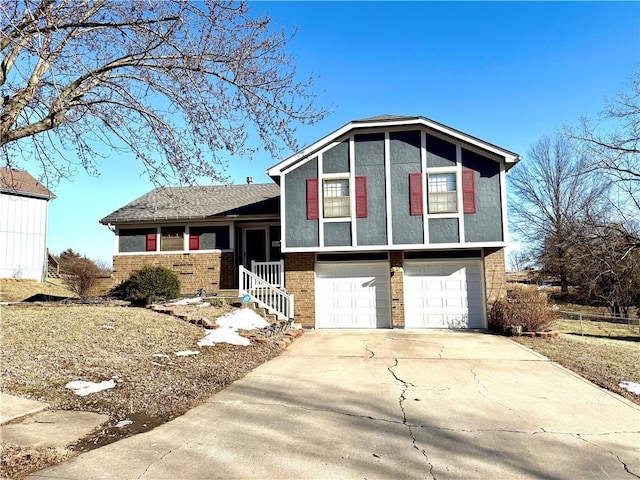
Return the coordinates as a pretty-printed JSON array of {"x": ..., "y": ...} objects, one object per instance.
[{"x": 389, "y": 404}]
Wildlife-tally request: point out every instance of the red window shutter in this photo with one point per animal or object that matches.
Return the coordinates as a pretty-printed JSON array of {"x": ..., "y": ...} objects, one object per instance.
[
  {"x": 415, "y": 193},
  {"x": 468, "y": 191},
  {"x": 194, "y": 242},
  {"x": 312, "y": 199},
  {"x": 361, "y": 197},
  {"x": 151, "y": 242}
]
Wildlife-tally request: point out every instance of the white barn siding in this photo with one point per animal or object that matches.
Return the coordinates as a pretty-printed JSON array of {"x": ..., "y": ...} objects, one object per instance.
[{"x": 23, "y": 236}]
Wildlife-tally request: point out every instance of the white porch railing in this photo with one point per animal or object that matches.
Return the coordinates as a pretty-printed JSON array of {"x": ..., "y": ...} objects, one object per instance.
[
  {"x": 267, "y": 296},
  {"x": 272, "y": 272}
]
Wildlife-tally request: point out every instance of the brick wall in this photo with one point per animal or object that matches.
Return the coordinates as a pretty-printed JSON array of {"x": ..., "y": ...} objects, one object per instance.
[
  {"x": 397, "y": 290},
  {"x": 494, "y": 274},
  {"x": 300, "y": 280},
  {"x": 212, "y": 271}
]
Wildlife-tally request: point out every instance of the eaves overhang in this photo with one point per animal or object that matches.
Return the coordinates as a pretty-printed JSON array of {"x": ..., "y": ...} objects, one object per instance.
[{"x": 510, "y": 158}]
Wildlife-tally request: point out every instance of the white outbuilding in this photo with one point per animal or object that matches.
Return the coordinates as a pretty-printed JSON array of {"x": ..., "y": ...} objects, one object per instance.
[{"x": 23, "y": 225}]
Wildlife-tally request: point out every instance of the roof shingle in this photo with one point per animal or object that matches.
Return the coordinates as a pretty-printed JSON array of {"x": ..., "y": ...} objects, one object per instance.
[
  {"x": 199, "y": 202},
  {"x": 19, "y": 182}
]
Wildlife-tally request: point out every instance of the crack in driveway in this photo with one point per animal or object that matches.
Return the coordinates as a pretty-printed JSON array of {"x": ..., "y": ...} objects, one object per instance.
[
  {"x": 624, "y": 464},
  {"x": 410, "y": 427}
]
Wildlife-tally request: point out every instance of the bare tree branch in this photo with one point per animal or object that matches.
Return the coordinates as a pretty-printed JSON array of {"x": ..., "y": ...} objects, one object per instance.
[{"x": 182, "y": 85}]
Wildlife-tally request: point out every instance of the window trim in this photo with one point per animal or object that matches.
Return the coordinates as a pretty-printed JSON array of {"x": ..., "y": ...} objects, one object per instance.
[
  {"x": 455, "y": 192},
  {"x": 345, "y": 198}
]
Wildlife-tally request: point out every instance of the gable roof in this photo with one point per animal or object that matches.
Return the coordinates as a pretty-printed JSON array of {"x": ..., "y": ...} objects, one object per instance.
[
  {"x": 19, "y": 182},
  {"x": 390, "y": 121},
  {"x": 199, "y": 203}
]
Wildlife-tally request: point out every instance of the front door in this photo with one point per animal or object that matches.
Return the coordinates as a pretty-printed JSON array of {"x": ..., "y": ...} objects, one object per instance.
[{"x": 255, "y": 245}]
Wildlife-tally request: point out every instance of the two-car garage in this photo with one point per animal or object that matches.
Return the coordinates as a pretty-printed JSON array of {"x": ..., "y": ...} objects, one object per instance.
[{"x": 437, "y": 294}]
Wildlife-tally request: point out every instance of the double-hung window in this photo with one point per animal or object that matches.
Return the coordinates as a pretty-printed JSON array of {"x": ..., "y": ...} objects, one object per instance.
[
  {"x": 336, "y": 198},
  {"x": 171, "y": 239},
  {"x": 442, "y": 193}
]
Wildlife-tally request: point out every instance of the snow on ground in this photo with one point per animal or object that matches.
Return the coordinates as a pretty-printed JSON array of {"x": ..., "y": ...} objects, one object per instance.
[
  {"x": 186, "y": 353},
  {"x": 82, "y": 388},
  {"x": 631, "y": 386},
  {"x": 186, "y": 301},
  {"x": 223, "y": 335},
  {"x": 243, "y": 319}
]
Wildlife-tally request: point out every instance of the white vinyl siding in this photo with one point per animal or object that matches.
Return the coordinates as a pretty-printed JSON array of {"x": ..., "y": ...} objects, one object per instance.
[{"x": 23, "y": 227}]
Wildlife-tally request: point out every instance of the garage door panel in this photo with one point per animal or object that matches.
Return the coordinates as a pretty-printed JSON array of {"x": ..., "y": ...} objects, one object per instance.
[
  {"x": 353, "y": 295},
  {"x": 443, "y": 295}
]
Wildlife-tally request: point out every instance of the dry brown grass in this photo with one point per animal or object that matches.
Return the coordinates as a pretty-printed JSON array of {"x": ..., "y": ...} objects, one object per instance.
[
  {"x": 46, "y": 346},
  {"x": 604, "y": 360},
  {"x": 17, "y": 290}
]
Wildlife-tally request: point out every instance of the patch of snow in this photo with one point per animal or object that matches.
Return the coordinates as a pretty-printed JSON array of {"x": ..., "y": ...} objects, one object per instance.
[
  {"x": 83, "y": 388},
  {"x": 160, "y": 355},
  {"x": 204, "y": 304},
  {"x": 243, "y": 319},
  {"x": 123, "y": 423},
  {"x": 158, "y": 364},
  {"x": 631, "y": 386},
  {"x": 223, "y": 335},
  {"x": 186, "y": 353},
  {"x": 187, "y": 301}
]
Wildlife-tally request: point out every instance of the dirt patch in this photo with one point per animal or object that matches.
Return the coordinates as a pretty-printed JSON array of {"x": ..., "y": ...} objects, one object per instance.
[{"x": 46, "y": 346}]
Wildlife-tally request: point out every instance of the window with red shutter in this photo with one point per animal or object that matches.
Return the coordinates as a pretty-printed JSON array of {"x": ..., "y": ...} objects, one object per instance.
[
  {"x": 151, "y": 242},
  {"x": 194, "y": 241},
  {"x": 361, "y": 197},
  {"x": 468, "y": 191},
  {"x": 312, "y": 199},
  {"x": 415, "y": 193}
]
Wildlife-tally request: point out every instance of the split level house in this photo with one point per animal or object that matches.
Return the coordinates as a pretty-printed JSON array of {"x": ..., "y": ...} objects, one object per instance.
[
  {"x": 24, "y": 209},
  {"x": 388, "y": 222}
]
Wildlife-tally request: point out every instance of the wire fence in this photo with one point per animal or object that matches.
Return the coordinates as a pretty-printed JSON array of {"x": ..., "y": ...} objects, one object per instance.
[{"x": 632, "y": 322}]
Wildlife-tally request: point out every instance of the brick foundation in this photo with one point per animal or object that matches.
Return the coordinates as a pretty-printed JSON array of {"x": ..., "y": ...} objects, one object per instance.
[
  {"x": 212, "y": 271},
  {"x": 397, "y": 290},
  {"x": 300, "y": 281},
  {"x": 494, "y": 274}
]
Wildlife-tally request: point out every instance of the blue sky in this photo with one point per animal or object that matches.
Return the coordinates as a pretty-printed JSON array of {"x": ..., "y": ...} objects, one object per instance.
[{"x": 505, "y": 72}]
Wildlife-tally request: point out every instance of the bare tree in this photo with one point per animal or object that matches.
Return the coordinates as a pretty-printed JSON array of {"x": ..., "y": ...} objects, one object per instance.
[
  {"x": 611, "y": 143},
  {"x": 519, "y": 261},
  {"x": 180, "y": 84},
  {"x": 609, "y": 262},
  {"x": 553, "y": 196}
]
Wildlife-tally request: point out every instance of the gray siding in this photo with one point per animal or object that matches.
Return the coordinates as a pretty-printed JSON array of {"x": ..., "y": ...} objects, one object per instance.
[
  {"x": 336, "y": 159},
  {"x": 214, "y": 237},
  {"x": 369, "y": 162},
  {"x": 486, "y": 224},
  {"x": 440, "y": 153},
  {"x": 443, "y": 230},
  {"x": 337, "y": 234},
  {"x": 133, "y": 240},
  {"x": 404, "y": 159},
  {"x": 301, "y": 232}
]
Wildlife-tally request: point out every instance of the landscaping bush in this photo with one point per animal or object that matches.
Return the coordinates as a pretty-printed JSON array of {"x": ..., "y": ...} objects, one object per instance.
[
  {"x": 150, "y": 282},
  {"x": 81, "y": 274},
  {"x": 525, "y": 307}
]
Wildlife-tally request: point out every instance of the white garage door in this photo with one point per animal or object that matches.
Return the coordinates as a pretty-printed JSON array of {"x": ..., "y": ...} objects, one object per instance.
[
  {"x": 443, "y": 294},
  {"x": 352, "y": 295}
]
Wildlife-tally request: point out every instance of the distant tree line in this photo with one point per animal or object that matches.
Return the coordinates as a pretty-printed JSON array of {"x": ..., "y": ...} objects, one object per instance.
[{"x": 575, "y": 201}]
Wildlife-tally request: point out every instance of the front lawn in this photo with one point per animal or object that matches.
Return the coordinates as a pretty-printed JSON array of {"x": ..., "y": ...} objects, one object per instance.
[
  {"x": 43, "y": 347},
  {"x": 604, "y": 353}
]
